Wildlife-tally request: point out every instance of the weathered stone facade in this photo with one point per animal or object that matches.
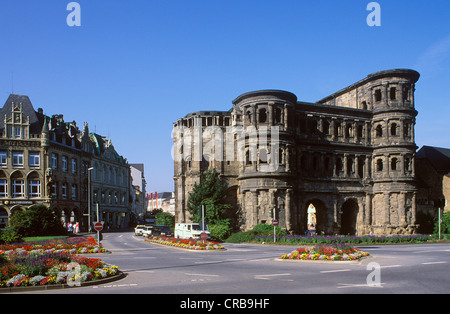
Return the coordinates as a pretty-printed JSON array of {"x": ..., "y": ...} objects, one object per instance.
[{"x": 351, "y": 155}]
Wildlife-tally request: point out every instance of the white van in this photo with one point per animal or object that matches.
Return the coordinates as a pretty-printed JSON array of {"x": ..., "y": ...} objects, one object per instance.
[{"x": 190, "y": 230}]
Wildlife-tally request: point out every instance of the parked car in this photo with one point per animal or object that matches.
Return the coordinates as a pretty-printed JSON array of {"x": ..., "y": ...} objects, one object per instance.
[
  {"x": 149, "y": 230},
  {"x": 138, "y": 230},
  {"x": 164, "y": 230}
]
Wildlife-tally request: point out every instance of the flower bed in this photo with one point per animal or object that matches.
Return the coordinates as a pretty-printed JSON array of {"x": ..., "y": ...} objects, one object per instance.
[
  {"x": 320, "y": 239},
  {"x": 21, "y": 269},
  {"x": 334, "y": 252},
  {"x": 80, "y": 245},
  {"x": 186, "y": 243},
  {"x": 52, "y": 262}
]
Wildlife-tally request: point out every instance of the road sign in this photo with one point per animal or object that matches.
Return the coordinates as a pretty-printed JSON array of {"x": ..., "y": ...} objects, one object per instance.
[
  {"x": 98, "y": 226},
  {"x": 204, "y": 236},
  {"x": 275, "y": 222}
]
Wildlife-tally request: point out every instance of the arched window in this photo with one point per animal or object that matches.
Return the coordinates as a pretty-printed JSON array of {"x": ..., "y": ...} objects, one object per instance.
[
  {"x": 380, "y": 165},
  {"x": 262, "y": 115},
  {"x": 277, "y": 115},
  {"x": 392, "y": 92},
  {"x": 394, "y": 129},
  {"x": 379, "y": 131},
  {"x": 394, "y": 163},
  {"x": 378, "y": 95}
]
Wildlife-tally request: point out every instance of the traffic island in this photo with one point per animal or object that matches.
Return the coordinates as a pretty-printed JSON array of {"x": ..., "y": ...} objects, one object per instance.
[
  {"x": 332, "y": 252},
  {"x": 52, "y": 264},
  {"x": 189, "y": 244}
]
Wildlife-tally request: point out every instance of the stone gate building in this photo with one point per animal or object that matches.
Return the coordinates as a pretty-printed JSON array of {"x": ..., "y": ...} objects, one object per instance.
[{"x": 350, "y": 155}]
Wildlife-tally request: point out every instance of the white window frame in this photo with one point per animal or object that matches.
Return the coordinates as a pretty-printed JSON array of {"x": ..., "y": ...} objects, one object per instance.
[
  {"x": 3, "y": 158},
  {"x": 64, "y": 191},
  {"x": 17, "y": 159},
  {"x": 34, "y": 188},
  {"x": 64, "y": 163},
  {"x": 18, "y": 188},
  {"x": 74, "y": 191},
  {"x": 54, "y": 161},
  {"x": 3, "y": 188},
  {"x": 34, "y": 159},
  {"x": 74, "y": 165},
  {"x": 55, "y": 190}
]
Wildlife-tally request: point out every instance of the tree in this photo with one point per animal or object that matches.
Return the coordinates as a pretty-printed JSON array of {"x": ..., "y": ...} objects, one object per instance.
[
  {"x": 37, "y": 220},
  {"x": 164, "y": 218},
  {"x": 210, "y": 192}
]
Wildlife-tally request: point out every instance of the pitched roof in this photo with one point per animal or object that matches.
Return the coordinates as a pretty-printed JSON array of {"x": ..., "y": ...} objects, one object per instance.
[
  {"x": 36, "y": 119},
  {"x": 438, "y": 157}
]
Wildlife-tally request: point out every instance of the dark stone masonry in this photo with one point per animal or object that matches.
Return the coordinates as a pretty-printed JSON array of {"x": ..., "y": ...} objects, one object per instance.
[{"x": 344, "y": 163}]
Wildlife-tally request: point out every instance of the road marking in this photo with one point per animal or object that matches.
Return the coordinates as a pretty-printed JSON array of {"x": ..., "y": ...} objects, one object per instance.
[
  {"x": 390, "y": 266},
  {"x": 349, "y": 285},
  {"x": 115, "y": 286},
  {"x": 334, "y": 271},
  {"x": 145, "y": 271},
  {"x": 432, "y": 263},
  {"x": 206, "y": 275},
  {"x": 264, "y": 277}
]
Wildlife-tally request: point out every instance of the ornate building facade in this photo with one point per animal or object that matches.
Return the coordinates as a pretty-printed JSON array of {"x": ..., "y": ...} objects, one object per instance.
[
  {"x": 347, "y": 159},
  {"x": 45, "y": 160}
]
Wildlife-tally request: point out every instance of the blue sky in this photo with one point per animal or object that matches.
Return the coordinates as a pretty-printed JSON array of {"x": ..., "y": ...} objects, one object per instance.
[{"x": 134, "y": 67}]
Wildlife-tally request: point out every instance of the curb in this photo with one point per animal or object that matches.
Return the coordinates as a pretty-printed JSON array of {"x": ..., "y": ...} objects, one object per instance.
[{"x": 119, "y": 276}]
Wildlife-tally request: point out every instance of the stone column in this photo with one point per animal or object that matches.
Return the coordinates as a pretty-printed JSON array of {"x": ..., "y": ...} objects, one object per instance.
[
  {"x": 254, "y": 208},
  {"x": 387, "y": 206},
  {"x": 401, "y": 208},
  {"x": 288, "y": 209}
]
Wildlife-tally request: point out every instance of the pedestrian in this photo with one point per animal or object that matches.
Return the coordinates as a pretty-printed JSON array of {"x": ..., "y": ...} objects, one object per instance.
[
  {"x": 77, "y": 228},
  {"x": 70, "y": 227}
]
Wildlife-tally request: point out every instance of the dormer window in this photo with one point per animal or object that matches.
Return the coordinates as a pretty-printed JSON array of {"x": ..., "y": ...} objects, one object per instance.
[{"x": 17, "y": 132}]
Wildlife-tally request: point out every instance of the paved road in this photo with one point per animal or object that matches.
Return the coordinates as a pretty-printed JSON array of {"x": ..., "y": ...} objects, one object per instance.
[{"x": 247, "y": 268}]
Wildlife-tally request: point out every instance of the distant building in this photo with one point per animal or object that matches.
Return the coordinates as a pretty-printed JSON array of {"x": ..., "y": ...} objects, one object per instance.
[
  {"x": 45, "y": 160},
  {"x": 139, "y": 195},
  {"x": 162, "y": 200},
  {"x": 433, "y": 183}
]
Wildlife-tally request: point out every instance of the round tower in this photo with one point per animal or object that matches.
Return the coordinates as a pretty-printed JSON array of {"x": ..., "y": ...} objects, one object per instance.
[
  {"x": 262, "y": 121},
  {"x": 390, "y": 95}
]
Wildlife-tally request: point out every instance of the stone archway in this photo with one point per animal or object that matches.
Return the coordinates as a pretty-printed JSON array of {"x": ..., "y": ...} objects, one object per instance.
[
  {"x": 349, "y": 216},
  {"x": 314, "y": 217}
]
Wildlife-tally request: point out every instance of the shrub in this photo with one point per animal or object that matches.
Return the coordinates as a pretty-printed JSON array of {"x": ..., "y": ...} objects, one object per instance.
[
  {"x": 261, "y": 230},
  {"x": 243, "y": 236},
  {"x": 266, "y": 230},
  {"x": 445, "y": 225},
  {"x": 37, "y": 220},
  {"x": 9, "y": 235},
  {"x": 220, "y": 231}
]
